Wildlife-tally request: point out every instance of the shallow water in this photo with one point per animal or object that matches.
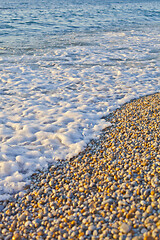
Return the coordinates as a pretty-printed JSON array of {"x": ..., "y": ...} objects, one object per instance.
[{"x": 63, "y": 66}]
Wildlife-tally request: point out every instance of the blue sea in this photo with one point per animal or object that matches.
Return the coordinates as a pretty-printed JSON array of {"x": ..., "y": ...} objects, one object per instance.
[{"x": 63, "y": 66}]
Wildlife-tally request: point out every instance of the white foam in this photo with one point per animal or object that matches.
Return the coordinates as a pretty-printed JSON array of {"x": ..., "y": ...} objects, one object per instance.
[{"x": 52, "y": 111}]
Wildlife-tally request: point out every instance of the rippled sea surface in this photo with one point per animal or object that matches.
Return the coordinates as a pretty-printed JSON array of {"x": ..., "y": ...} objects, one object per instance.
[{"x": 63, "y": 66}]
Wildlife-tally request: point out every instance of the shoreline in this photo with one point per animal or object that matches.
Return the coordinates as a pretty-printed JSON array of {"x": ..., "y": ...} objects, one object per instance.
[{"x": 109, "y": 191}]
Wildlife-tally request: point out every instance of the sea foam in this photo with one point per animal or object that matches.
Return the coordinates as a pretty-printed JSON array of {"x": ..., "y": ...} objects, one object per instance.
[{"x": 52, "y": 102}]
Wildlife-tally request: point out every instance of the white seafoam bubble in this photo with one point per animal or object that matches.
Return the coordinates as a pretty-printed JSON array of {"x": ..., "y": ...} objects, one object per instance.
[{"x": 51, "y": 112}]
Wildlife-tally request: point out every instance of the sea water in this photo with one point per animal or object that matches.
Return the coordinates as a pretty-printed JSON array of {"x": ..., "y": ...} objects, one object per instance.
[{"x": 64, "y": 64}]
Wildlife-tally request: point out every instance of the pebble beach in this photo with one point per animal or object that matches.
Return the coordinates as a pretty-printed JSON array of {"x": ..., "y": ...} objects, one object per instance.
[{"x": 109, "y": 191}]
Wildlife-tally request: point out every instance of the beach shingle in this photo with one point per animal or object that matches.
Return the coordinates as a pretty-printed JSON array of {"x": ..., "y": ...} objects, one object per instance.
[{"x": 109, "y": 191}]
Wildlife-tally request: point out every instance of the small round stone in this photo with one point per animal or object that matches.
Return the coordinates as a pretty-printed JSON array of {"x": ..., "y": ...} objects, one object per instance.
[{"x": 125, "y": 228}]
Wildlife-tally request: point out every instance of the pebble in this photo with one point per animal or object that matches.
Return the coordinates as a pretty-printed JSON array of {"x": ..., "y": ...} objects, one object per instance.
[
  {"x": 91, "y": 227},
  {"x": 28, "y": 198},
  {"x": 16, "y": 236},
  {"x": 125, "y": 228},
  {"x": 149, "y": 209},
  {"x": 1, "y": 207},
  {"x": 109, "y": 191},
  {"x": 144, "y": 230},
  {"x": 148, "y": 238},
  {"x": 22, "y": 217}
]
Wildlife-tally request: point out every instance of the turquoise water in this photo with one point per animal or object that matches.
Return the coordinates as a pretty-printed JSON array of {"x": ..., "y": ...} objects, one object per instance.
[
  {"x": 63, "y": 66},
  {"x": 31, "y": 25}
]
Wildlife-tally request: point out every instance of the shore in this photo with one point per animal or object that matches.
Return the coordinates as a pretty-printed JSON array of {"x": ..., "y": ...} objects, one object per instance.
[{"x": 109, "y": 191}]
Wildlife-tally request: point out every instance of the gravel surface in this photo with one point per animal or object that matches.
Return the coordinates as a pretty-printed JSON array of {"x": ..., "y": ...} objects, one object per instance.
[{"x": 109, "y": 191}]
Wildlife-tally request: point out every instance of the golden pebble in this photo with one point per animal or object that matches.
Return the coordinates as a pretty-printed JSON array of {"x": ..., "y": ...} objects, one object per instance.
[
  {"x": 81, "y": 189},
  {"x": 70, "y": 212},
  {"x": 69, "y": 225},
  {"x": 148, "y": 238},
  {"x": 65, "y": 220},
  {"x": 138, "y": 191},
  {"x": 11, "y": 229},
  {"x": 81, "y": 234},
  {"x": 73, "y": 222},
  {"x": 81, "y": 199},
  {"x": 103, "y": 214},
  {"x": 123, "y": 191},
  {"x": 16, "y": 236},
  {"x": 82, "y": 210},
  {"x": 115, "y": 236},
  {"x": 158, "y": 223},
  {"x": 61, "y": 225},
  {"x": 8, "y": 212},
  {"x": 119, "y": 214},
  {"x": 115, "y": 178},
  {"x": 129, "y": 215},
  {"x": 132, "y": 210},
  {"x": 40, "y": 233}
]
